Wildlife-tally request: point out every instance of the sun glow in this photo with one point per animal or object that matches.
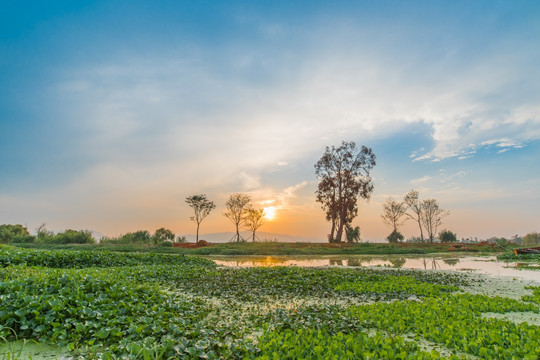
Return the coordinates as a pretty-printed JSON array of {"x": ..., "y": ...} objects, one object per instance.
[{"x": 270, "y": 212}]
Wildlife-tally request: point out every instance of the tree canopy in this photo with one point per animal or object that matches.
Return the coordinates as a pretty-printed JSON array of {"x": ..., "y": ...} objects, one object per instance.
[
  {"x": 201, "y": 207},
  {"x": 344, "y": 176}
]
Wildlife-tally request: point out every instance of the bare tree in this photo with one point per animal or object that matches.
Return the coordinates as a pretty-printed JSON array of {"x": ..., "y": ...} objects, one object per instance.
[
  {"x": 414, "y": 207},
  {"x": 393, "y": 211},
  {"x": 236, "y": 211},
  {"x": 432, "y": 216},
  {"x": 254, "y": 220},
  {"x": 344, "y": 176},
  {"x": 202, "y": 208}
]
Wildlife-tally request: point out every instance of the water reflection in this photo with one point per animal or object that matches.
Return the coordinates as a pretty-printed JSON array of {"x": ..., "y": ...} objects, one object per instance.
[{"x": 481, "y": 264}]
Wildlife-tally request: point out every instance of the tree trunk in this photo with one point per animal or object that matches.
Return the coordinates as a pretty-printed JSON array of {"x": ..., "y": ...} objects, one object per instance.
[
  {"x": 253, "y": 239},
  {"x": 197, "y": 236},
  {"x": 237, "y": 234},
  {"x": 421, "y": 232},
  {"x": 332, "y": 230}
]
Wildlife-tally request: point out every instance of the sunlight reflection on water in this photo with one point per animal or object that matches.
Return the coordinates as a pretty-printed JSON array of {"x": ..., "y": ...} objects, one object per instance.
[{"x": 479, "y": 264}]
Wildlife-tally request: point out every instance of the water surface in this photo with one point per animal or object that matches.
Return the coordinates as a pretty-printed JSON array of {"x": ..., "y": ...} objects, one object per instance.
[{"x": 479, "y": 264}]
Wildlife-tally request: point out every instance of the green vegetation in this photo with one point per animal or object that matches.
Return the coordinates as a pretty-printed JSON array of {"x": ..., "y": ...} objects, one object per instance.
[
  {"x": 109, "y": 305},
  {"x": 279, "y": 248}
]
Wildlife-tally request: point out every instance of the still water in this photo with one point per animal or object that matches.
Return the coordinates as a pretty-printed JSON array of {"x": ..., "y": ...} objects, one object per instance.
[{"x": 479, "y": 264}]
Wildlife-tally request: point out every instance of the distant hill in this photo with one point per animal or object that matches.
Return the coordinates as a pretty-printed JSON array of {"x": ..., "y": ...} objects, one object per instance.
[{"x": 224, "y": 237}]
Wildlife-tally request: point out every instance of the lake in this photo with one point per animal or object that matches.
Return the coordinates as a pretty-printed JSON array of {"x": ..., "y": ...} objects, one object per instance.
[{"x": 479, "y": 264}]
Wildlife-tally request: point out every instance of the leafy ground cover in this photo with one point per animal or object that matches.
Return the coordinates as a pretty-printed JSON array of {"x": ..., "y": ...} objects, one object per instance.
[
  {"x": 280, "y": 248},
  {"x": 107, "y": 305}
]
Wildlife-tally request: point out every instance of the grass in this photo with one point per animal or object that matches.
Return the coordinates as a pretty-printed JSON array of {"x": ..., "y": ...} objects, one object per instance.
[{"x": 281, "y": 248}]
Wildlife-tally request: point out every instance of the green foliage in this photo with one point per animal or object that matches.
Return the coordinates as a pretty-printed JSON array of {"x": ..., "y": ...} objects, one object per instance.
[
  {"x": 395, "y": 237},
  {"x": 107, "y": 305},
  {"x": 163, "y": 234},
  {"x": 319, "y": 344},
  {"x": 352, "y": 234},
  {"x": 80, "y": 259},
  {"x": 531, "y": 239},
  {"x": 10, "y": 233},
  {"x": 166, "y": 243},
  {"x": 138, "y": 237},
  {"x": 455, "y": 321},
  {"x": 447, "y": 236}
]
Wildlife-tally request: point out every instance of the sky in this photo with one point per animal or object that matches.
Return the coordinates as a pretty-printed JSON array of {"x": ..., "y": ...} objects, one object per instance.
[{"x": 113, "y": 112}]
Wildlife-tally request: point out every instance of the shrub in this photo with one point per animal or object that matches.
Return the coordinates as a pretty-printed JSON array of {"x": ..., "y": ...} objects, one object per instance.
[
  {"x": 162, "y": 234},
  {"x": 69, "y": 237},
  {"x": 166, "y": 243},
  {"x": 395, "y": 237},
  {"x": 181, "y": 239},
  {"x": 9, "y": 232},
  {"x": 446, "y": 236},
  {"x": 531, "y": 239}
]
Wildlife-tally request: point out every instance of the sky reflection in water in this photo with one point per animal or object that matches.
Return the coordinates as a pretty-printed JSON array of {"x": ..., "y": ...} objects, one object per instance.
[{"x": 479, "y": 264}]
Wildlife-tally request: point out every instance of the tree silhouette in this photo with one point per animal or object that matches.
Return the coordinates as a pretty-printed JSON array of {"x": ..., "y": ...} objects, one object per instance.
[
  {"x": 201, "y": 207},
  {"x": 344, "y": 176},
  {"x": 414, "y": 205},
  {"x": 254, "y": 220},
  {"x": 236, "y": 211}
]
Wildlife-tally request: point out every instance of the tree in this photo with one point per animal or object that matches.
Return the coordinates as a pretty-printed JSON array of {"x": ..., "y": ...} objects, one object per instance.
[
  {"x": 344, "y": 176},
  {"x": 531, "y": 239},
  {"x": 201, "y": 207},
  {"x": 236, "y": 211},
  {"x": 446, "y": 236},
  {"x": 163, "y": 234},
  {"x": 432, "y": 216},
  {"x": 15, "y": 234},
  {"x": 352, "y": 234},
  {"x": 395, "y": 237},
  {"x": 393, "y": 211},
  {"x": 414, "y": 205},
  {"x": 254, "y": 220}
]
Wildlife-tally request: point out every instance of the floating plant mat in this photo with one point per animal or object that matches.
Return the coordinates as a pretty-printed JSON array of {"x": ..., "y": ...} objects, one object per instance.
[{"x": 167, "y": 306}]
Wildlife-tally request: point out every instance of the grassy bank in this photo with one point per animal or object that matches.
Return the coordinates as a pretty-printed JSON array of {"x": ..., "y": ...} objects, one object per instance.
[{"x": 280, "y": 248}]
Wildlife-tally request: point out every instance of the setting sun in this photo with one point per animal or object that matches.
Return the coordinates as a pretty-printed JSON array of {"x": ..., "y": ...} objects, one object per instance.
[{"x": 270, "y": 212}]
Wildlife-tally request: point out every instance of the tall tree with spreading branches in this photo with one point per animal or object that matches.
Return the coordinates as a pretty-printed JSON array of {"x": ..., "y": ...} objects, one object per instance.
[
  {"x": 414, "y": 209},
  {"x": 254, "y": 220},
  {"x": 201, "y": 207},
  {"x": 393, "y": 212},
  {"x": 432, "y": 216},
  {"x": 344, "y": 176},
  {"x": 237, "y": 206}
]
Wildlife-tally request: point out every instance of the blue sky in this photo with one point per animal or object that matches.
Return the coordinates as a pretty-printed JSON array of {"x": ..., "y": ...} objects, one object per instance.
[{"x": 111, "y": 113}]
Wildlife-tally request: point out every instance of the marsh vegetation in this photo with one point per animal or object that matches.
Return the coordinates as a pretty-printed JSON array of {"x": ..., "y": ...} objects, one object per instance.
[{"x": 109, "y": 305}]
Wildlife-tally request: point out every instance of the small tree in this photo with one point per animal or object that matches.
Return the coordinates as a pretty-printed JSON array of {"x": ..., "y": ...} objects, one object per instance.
[
  {"x": 531, "y": 239},
  {"x": 395, "y": 237},
  {"x": 254, "y": 220},
  {"x": 201, "y": 207},
  {"x": 163, "y": 234},
  {"x": 446, "y": 236},
  {"x": 414, "y": 207},
  {"x": 352, "y": 234},
  {"x": 236, "y": 211},
  {"x": 432, "y": 216},
  {"x": 393, "y": 211}
]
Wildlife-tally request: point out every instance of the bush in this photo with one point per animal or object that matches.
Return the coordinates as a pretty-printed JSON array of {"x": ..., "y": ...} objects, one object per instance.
[
  {"x": 9, "y": 232},
  {"x": 395, "y": 237},
  {"x": 181, "y": 239},
  {"x": 162, "y": 234},
  {"x": 68, "y": 237},
  {"x": 166, "y": 243},
  {"x": 531, "y": 239},
  {"x": 446, "y": 236},
  {"x": 23, "y": 239}
]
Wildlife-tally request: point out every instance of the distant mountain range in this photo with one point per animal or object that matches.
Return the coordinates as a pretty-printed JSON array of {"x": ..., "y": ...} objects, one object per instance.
[{"x": 224, "y": 237}]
